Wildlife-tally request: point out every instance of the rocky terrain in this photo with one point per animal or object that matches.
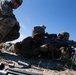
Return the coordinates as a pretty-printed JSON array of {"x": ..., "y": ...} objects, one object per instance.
[{"x": 38, "y": 65}]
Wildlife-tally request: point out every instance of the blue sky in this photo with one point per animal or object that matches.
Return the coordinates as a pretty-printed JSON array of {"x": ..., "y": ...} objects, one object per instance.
[{"x": 56, "y": 15}]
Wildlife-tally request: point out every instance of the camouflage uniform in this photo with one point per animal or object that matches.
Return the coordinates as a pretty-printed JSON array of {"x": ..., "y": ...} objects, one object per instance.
[
  {"x": 34, "y": 46},
  {"x": 27, "y": 47},
  {"x": 65, "y": 51},
  {"x": 30, "y": 46},
  {"x": 63, "y": 36},
  {"x": 9, "y": 27}
]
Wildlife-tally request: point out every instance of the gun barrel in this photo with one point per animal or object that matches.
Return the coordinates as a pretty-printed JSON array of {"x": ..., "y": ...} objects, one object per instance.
[
  {"x": 59, "y": 42},
  {"x": 3, "y": 72},
  {"x": 22, "y": 72},
  {"x": 14, "y": 73},
  {"x": 24, "y": 64}
]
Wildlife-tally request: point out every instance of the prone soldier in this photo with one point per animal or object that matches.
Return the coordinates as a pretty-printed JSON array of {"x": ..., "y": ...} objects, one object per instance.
[
  {"x": 45, "y": 45},
  {"x": 34, "y": 46},
  {"x": 30, "y": 46},
  {"x": 65, "y": 50}
]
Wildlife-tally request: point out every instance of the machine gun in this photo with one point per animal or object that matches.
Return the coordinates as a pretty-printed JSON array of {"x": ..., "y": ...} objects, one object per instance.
[
  {"x": 69, "y": 45},
  {"x": 52, "y": 39},
  {"x": 52, "y": 36},
  {"x": 13, "y": 71}
]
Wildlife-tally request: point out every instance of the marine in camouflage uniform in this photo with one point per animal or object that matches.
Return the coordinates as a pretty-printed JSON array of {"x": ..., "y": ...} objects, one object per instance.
[
  {"x": 9, "y": 26},
  {"x": 30, "y": 46},
  {"x": 34, "y": 46},
  {"x": 65, "y": 51}
]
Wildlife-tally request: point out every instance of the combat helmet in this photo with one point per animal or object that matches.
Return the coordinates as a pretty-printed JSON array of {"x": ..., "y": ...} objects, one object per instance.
[
  {"x": 19, "y": 2},
  {"x": 15, "y": 3},
  {"x": 63, "y": 35},
  {"x": 37, "y": 30}
]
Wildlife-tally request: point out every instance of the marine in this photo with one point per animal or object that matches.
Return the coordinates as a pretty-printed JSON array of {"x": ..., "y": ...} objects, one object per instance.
[
  {"x": 9, "y": 26},
  {"x": 41, "y": 44}
]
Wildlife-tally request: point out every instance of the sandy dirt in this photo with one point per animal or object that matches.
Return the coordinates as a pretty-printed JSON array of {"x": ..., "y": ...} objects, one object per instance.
[{"x": 38, "y": 65}]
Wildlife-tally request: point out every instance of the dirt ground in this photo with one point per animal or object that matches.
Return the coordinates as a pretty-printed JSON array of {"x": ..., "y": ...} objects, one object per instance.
[{"x": 38, "y": 65}]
